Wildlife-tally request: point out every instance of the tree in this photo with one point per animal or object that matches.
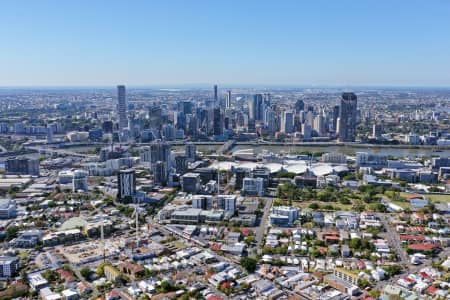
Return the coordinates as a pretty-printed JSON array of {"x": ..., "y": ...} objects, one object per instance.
[
  {"x": 101, "y": 269},
  {"x": 249, "y": 264},
  {"x": 363, "y": 283},
  {"x": 314, "y": 205},
  {"x": 355, "y": 244},
  {"x": 392, "y": 270},
  {"x": 50, "y": 275},
  {"x": 11, "y": 232},
  {"x": 249, "y": 240},
  {"x": 86, "y": 273}
]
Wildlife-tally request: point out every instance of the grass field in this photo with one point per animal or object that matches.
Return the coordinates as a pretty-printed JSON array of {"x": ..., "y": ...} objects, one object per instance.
[
  {"x": 305, "y": 204},
  {"x": 434, "y": 198}
]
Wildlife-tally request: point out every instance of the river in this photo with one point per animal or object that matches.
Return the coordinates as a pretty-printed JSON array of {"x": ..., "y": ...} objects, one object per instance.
[{"x": 350, "y": 150}]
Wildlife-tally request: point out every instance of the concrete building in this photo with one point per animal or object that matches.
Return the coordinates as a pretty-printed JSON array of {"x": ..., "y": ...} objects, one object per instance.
[
  {"x": 181, "y": 164},
  {"x": 27, "y": 239},
  {"x": 126, "y": 183},
  {"x": 227, "y": 203},
  {"x": 253, "y": 186},
  {"x": 334, "y": 158},
  {"x": 190, "y": 152},
  {"x": 287, "y": 122},
  {"x": 160, "y": 173},
  {"x": 79, "y": 181},
  {"x": 9, "y": 266},
  {"x": 319, "y": 125},
  {"x": 341, "y": 285},
  {"x": 190, "y": 183},
  {"x": 364, "y": 159},
  {"x": 22, "y": 166},
  {"x": 228, "y": 100},
  {"x": 65, "y": 176},
  {"x": 7, "y": 209},
  {"x": 283, "y": 215},
  {"x": 240, "y": 173}
]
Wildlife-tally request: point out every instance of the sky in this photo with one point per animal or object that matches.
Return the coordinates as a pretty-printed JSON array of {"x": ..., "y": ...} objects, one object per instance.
[{"x": 232, "y": 42}]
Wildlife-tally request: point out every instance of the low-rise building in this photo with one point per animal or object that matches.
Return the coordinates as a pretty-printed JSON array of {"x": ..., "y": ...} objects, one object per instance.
[
  {"x": 253, "y": 186},
  {"x": 283, "y": 215},
  {"x": 9, "y": 265},
  {"x": 7, "y": 209}
]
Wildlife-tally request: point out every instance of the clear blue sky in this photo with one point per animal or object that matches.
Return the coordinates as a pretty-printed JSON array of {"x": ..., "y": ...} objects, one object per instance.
[{"x": 347, "y": 43}]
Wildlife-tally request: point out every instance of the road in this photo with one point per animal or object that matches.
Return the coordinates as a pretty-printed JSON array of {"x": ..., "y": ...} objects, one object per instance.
[
  {"x": 263, "y": 223},
  {"x": 394, "y": 239}
]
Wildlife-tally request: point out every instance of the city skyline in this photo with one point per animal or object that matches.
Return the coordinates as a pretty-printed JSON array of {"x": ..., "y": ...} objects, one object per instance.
[{"x": 248, "y": 44}]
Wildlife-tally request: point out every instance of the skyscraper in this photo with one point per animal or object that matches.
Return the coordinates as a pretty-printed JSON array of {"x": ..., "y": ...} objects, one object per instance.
[
  {"x": 122, "y": 104},
  {"x": 217, "y": 121},
  {"x": 216, "y": 97},
  {"x": 299, "y": 105},
  {"x": 347, "y": 118},
  {"x": 258, "y": 106},
  {"x": 79, "y": 181},
  {"x": 155, "y": 116},
  {"x": 335, "y": 117},
  {"x": 319, "y": 125},
  {"x": 377, "y": 130},
  {"x": 228, "y": 100},
  {"x": 287, "y": 122},
  {"x": 126, "y": 183},
  {"x": 160, "y": 173},
  {"x": 159, "y": 151},
  {"x": 269, "y": 120},
  {"x": 190, "y": 151}
]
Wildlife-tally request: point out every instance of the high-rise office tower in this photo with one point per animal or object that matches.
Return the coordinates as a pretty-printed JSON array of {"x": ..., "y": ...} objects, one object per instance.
[
  {"x": 79, "y": 181},
  {"x": 347, "y": 117},
  {"x": 269, "y": 120},
  {"x": 377, "y": 130},
  {"x": 159, "y": 151},
  {"x": 107, "y": 126},
  {"x": 287, "y": 122},
  {"x": 228, "y": 100},
  {"x": 267, "y": 99},
  {"x": 122, "y": 104},
  {"x": 251, "y": 109},
  {"x": 306, "y": 131},
  {"x": 335, "y": 117},
  {"x": 181, "y": 164},
  {"x": 299, "y": 105},
  {"x": 160, "y": 173},
  {"x": 22, "y": 166},
  {"x": 49, "y": 134},
  {"x": 217, "y": 121},
  {"x": 126, "y": 183},
  {"x": 190, "y": 151},
  {"x": 185, "y": 107},
  {"x": 155, "y": 116},
  {"x": 309, "y": 118},
  {"x": 258, "y": 106},
  {"x": 216, "y": 96},
  {"x": 319, "y": 125}
]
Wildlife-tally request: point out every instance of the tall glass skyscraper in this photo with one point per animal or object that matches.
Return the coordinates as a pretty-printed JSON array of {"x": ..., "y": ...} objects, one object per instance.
[
  {"x": 347, "y": 118},
  {"x": 122, "y": 104}
]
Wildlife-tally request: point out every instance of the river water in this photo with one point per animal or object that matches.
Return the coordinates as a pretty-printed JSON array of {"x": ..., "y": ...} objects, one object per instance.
[{"x": 349, "y": 150}]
